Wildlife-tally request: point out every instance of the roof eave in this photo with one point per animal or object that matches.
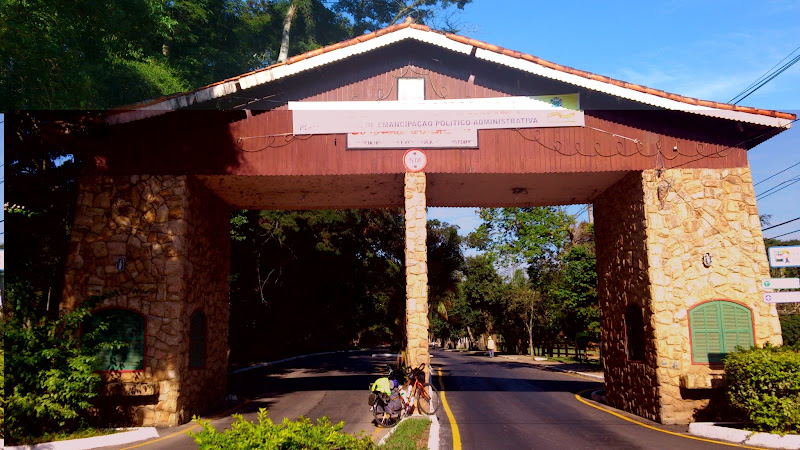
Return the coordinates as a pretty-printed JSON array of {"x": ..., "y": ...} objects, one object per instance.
[{"x": 460, "y": 44}]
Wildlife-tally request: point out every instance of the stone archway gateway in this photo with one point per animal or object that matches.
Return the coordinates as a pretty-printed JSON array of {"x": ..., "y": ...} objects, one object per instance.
[{"x": 679, "y": 245}]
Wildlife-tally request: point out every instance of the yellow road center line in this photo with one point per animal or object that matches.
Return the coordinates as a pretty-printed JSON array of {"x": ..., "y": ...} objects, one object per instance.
[
  {"x": 164, "y": 438},
  {"x": 192, "y": 428},
  {"x": 582, "y": 400},
  {"x": 450, "y": 416},
  {"x": 375, "y": 433}
]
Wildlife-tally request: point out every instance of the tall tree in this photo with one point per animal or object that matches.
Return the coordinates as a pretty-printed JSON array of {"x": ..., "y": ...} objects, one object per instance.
[
  {"x": 523, "y": 302},
  {"x": 445, "y": 263},
  {"x": 516, "y": 236},
  {"x": 481, "y": 295}
]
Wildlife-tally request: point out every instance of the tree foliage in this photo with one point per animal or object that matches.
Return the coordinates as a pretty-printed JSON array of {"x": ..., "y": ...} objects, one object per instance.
[
  {"x": 515, "y": 236},
  {"x": 445, "y": 263},
  {"x": 370, "y": 16},
  {"x": 340, "y": 271},
  {"x": 554, "y": 298},
  {"x": 99, "y": 54}
]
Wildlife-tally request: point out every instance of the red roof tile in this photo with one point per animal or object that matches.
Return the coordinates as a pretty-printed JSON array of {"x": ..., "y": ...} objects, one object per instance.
[{"x": 491, "y": 48}]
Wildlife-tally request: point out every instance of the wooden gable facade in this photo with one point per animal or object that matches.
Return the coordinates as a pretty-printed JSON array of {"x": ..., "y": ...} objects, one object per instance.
[{"x": 242, "y": 145}]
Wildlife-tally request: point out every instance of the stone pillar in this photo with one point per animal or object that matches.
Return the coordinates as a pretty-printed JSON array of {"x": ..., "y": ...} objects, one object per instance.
[
  {"x": 416, "y": 271},
  {"x": 652, "y": 230},
  {"x": 174, "y": 236}
]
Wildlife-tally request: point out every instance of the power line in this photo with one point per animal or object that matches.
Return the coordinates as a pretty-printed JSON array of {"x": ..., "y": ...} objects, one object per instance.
[
  {"x": 766, "y": 78},
  {"x": 784, "y": 223},
  {"x": 784, "y": 234},
  {"x": 763, "y": 75},
  {"x": 778, "y": 188},
  {"x": 773, "y": 176}
]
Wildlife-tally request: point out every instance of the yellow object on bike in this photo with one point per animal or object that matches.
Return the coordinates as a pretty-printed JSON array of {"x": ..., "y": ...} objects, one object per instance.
[{"x": 382, "y": 385}]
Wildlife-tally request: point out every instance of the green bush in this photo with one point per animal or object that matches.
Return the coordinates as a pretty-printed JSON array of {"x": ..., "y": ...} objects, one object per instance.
[
  {"x": 49, "y": 380},
  {"x": 790, "y": 328},
  {"x": 2, "y": 394},
  {"x": 764, "y": 383},
  {"x": 287, "y": 435}
]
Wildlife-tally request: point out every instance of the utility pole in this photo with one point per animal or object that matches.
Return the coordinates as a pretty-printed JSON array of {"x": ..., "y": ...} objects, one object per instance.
[{"x": 590, "y": 212}]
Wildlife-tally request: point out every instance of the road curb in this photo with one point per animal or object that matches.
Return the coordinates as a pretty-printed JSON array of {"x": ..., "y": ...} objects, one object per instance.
[
  {"x": 574, "y": 372},
  {"x": 433, "y": 437},
  {"x": 555, "y": 368},
  {"x": 718, "y": 430},
  {"x": 125, "y": 437}
]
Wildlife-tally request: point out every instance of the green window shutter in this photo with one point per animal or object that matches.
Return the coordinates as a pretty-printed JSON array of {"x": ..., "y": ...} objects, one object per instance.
[
  {"x": 717, "y": 328},
  {"x": 737, "y": 326},
  {"x": 125, "y": 328},
  {"x": 706, "y": 339}
]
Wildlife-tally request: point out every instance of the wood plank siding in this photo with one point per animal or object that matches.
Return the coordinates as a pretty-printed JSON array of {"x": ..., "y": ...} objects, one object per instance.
[{"x": 250, "y": 134}]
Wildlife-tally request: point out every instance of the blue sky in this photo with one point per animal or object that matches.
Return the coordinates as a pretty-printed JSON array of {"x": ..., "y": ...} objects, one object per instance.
[{"x": 706, "y": 49}]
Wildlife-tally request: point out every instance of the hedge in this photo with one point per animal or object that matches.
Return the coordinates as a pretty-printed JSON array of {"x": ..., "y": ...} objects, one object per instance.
[{"x": 764, "y": 383}]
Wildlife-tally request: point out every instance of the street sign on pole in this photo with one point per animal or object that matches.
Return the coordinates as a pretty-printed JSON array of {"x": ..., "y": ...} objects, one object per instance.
[
  {"x": 780, "y": 283},
  {"x": 782, "y": 297},
  {"x": 784, "y": 256}
]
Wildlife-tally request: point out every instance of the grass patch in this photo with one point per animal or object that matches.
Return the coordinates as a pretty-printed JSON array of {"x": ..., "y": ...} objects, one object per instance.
[
  {"x": 63, "y": 436},
  {"x": 412, "y": 434}
]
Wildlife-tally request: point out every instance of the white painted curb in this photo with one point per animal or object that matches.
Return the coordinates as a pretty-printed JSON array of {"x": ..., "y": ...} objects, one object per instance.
[
  {"x": 433, "y": 437},
  {"x": 126, "y": 437},
  {"x": 718, "y": 430}
]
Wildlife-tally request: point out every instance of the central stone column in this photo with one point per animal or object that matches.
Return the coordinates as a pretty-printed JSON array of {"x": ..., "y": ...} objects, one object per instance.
[{"x": 416, "y": 271}]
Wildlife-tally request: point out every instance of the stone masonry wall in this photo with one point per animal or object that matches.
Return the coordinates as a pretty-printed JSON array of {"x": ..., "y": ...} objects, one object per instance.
[
  {"x": 416, "y": 271},
  {"x": 652, "y": 230},
  {"x": 691, "y": 212},
  {"x": 208, "y": 273},
  {"x": 622, "y": 274},
  {"x": 160, "y": 225}
]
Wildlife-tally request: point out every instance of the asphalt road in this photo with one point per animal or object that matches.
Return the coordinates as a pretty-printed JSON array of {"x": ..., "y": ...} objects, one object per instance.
[
  {"x": 496, "y": 403},
  {"x": 334, "y": 385},
  {"x": 501, "y": 404}
]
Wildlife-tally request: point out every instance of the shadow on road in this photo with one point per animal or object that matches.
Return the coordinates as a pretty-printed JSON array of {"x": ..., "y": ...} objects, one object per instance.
[
  {"x": 266, "y": 385},
  {"x": 473, "y": 383},
  {"x": 354, "y": 372}
]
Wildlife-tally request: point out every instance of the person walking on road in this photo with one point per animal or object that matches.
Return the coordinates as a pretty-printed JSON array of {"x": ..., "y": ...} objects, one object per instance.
[{"x": 490, "y": 346}]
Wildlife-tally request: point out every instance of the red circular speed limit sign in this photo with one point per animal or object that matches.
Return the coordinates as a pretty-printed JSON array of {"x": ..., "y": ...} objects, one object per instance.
[{"x": 415, "y": 160}]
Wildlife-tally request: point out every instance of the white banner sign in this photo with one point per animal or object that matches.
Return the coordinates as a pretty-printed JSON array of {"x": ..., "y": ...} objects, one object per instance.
[
  {"x": 780, "y": 283},
  {"x": 782, "y": 297},
  {"x": 426, "y": 123},
  {"x": 784, "y": 256}
]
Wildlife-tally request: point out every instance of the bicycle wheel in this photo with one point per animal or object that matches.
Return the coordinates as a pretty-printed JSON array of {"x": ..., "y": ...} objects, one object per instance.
[
  {"x": 428, "y": 399},
  {"x": 383, "y": 419}
]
